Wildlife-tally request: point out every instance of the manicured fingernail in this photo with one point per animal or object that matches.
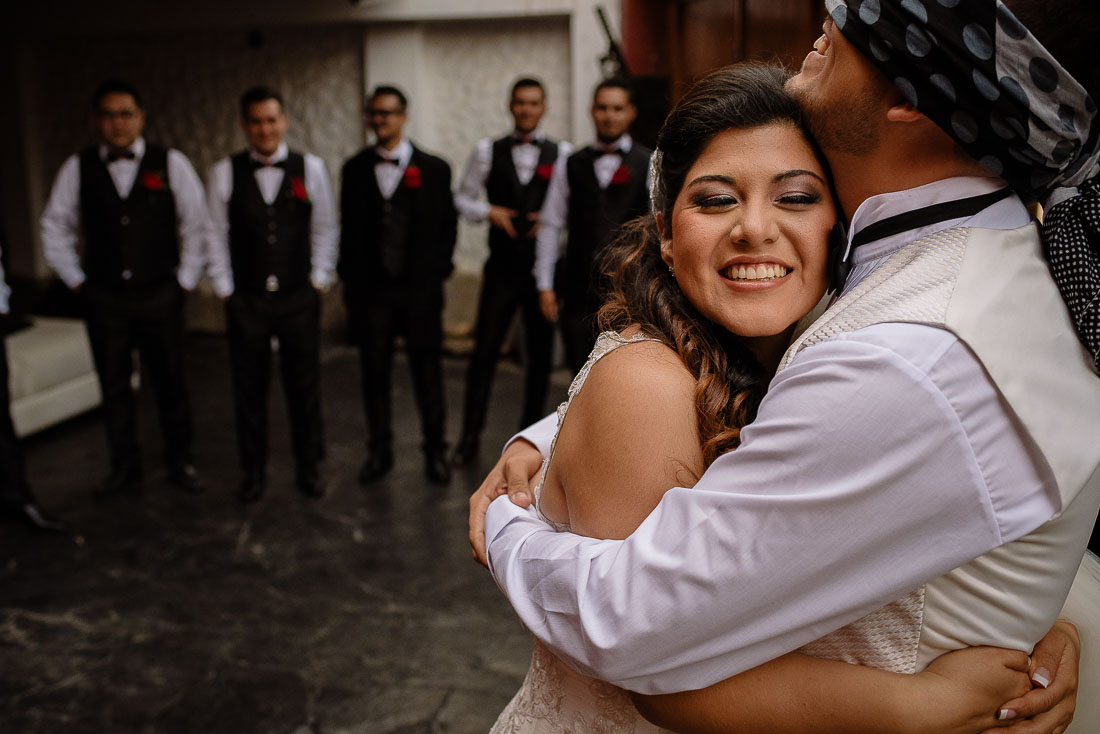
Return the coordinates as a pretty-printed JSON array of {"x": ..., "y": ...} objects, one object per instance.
[
  {"x": 1006, "y": 715},
  {"x": 521, "y": 496},
  {"x": 1041, "y": 677}
]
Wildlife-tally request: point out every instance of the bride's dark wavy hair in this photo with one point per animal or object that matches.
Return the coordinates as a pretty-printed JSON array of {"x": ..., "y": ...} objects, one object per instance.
[{"x": 729, "y": 382}]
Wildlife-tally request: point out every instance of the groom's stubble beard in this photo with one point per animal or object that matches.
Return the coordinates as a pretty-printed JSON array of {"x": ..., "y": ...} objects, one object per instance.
[{"x": 842, "y": 126}]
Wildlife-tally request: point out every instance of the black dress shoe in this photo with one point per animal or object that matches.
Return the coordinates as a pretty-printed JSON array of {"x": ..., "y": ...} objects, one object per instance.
[
  {"x": 377, "y": 465},
  {"x": 435, "y": 464},
  {"x": 252, "y": 488},
  {"x": 311, "y": 485},
  {"x": 30, "y": 513},
  {"x": 186, "y": 479},
  {"x": 120, "y": 478},
  {"x": 466, "y": 452}
]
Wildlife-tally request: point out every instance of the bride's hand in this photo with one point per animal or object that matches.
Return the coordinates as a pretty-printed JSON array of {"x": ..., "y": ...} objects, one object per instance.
[
  {"x": 519, "y": 463},
  {"x": 1048, "y": 708}
]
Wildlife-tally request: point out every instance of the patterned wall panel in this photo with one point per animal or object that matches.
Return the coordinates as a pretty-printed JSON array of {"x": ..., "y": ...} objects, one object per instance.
[{"x": 191, "y": 82}]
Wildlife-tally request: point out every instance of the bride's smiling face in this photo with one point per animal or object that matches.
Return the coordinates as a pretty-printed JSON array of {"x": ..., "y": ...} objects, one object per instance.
[{"x": 749, "y": 231}]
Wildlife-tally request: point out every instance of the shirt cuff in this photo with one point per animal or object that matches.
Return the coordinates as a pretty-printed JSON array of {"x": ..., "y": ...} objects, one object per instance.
[
  {"x": 321, "y": 279},
  {"x": 503, "y": 512},
  {"x": 223, "y": 287}
]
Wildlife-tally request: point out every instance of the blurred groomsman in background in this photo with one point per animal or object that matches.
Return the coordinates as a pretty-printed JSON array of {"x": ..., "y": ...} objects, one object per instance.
[
  {"x": 598, "y": 189},
  {"x": 139, "y": 209},
  {"x": 515, "y": 172},
  {"x": 16, "y": 499},
  {"x": 272, "y": 250},
  {"x": 397, "y": 236}
]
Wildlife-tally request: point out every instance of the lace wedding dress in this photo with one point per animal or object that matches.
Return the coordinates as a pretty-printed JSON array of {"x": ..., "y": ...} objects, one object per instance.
[{"x": 554, "y": 698}]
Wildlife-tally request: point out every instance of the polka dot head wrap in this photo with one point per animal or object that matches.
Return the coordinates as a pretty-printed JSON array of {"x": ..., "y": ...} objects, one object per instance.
[{"x": 973, "y": 69}]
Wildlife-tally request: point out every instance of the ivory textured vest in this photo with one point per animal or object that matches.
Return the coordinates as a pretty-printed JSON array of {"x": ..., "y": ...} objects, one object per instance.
[{"x": 993, "y": 290}]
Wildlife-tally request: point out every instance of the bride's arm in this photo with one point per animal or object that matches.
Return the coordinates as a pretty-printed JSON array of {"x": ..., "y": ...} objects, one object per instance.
[{"x": 637, "y": 406}]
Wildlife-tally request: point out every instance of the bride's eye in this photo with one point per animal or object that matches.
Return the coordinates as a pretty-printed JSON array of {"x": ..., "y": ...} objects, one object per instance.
[
  {"x": 716, "y": 201},
  {"x": 799, "y": 199}
]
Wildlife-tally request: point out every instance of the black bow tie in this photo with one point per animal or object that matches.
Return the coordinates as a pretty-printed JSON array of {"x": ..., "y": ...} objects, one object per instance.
[
  {"x": 602, "y": 150},
  {"x": 522, "y": 139},
  {"x": 260, "y": 164},
  {"x": 127, "y": 154}
]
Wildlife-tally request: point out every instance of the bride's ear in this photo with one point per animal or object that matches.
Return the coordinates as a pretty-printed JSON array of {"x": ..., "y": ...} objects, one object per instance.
[{"x": 666, "y": 241}]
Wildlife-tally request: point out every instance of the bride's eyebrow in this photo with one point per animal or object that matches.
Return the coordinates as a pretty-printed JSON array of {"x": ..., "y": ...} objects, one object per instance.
[
  {"x": 794, "y": 173},
  {"x": 712, "y": 177}
]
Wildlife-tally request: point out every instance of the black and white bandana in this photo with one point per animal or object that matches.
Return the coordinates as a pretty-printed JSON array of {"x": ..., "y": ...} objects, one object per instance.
[{"x": 973, "y": 69}]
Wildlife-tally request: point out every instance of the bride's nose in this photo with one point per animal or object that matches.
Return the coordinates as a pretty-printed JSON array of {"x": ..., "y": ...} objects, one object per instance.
[{"x": 755, "y": 225}]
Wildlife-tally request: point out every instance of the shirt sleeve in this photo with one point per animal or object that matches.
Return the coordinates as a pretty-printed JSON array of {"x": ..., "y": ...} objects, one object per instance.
[
  {"x": 862, "y": 477},
  {"x": 61, "y": 225},
  {"x": 191, "y": 215},
  {"x": 552, "y": 220},
  {"x": 540, "y": 434},
  {"x": 219, "y": 187},
  {"x": 473, "y": 181},
  {"x": 324, "y": 230}
]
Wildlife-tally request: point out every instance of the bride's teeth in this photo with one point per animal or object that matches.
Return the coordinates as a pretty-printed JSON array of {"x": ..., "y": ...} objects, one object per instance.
[
  {"x": 751, "y": 273},
  {"x": 741, "y": 272},
  {"x": 755, "y": 272}
]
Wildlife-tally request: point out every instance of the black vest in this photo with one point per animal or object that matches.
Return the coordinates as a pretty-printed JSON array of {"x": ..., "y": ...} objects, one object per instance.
[
  {"x": 132, "y": 240},
  {"x": 596, "y": 214},
  {"x": 394, "y": 217},
  {"x": 504, "y": 189},
  {"x": 269, "y": 243}
]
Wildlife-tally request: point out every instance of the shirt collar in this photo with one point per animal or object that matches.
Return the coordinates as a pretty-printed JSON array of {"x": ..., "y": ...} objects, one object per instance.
[
  {"x": 280, "y": 154},
  {"x": 1008, "y": 213},
  {"x": 536, "y": 135},
  {"x": 138, "y": 149},
  {"x": 624, "y": 143},
  {"x": 403, "y": 152}
]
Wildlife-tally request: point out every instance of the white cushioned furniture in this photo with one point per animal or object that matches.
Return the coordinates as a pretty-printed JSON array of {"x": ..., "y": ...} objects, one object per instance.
[{"x": 52, "y": 376}]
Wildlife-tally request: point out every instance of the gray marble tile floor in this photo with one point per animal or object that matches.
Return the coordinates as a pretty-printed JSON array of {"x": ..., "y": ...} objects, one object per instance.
[{"x": 359, "y": 613}]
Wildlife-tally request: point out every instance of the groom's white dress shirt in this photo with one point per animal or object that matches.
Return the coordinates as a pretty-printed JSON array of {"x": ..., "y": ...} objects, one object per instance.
[{"x": 879, "y": 460}]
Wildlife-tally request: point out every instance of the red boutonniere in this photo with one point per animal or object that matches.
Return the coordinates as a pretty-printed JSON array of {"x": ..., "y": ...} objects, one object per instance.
[
  {"x": 545, "y": 171},
  {"x": 412, "y": 177},
  {"x": 621, "y": 176},
  {"x": 154, "y": 180},
  {"x": 298, "y": 189}
]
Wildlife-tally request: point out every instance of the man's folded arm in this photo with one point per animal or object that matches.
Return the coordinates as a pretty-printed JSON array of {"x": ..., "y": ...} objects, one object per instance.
[{"x": 860, "y": 480}]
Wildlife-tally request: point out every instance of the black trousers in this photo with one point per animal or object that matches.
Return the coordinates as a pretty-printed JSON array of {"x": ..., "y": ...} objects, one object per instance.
[
  {"x": 505, "y": 288},
  {"x": 416, "y": 314},
  {"x": 13, "y": 487},
  {"x": 149, "y": 319},
  {"x": 294, "y": 318}
]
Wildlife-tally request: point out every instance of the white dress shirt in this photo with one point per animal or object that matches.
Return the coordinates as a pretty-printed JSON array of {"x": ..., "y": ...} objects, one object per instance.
[
  {"x": 5, "y": 292},
  {"x": 879, "y": 460},
  {"x": 554, "y": 217},
  {"x": 525, "y": 157},
  {"x": 324, "y": 231},
  {"x": 388, "y": 175},
  {"x": 61, "y": 219}
]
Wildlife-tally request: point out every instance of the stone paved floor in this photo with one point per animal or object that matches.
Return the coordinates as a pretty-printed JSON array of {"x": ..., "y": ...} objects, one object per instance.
[{"x": 160, "y": 612}]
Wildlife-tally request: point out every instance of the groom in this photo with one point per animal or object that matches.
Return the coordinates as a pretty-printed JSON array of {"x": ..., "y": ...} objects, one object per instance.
[{"x": 936, "y": 427}]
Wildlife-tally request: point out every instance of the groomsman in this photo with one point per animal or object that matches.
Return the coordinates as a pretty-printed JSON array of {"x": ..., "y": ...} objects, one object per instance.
[
  {"x": 16, "y": 500},
  {"x": 515, "y": 172},
  {"x": 139, "y": 209},
  {"x": 397, "y": 235},
  {"x": 272, "y": 249},
  {"x": 598, "y": 189}
]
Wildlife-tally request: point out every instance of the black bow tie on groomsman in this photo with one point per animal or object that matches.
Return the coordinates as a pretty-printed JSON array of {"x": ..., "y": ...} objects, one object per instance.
[
  {"x": 113, "y": 156},
  {"x": 522, "y": 139},
  {"x": 380, "y": 158},
  {"x": 609, "y": 149},
  {"x": 267, "y": 164}
]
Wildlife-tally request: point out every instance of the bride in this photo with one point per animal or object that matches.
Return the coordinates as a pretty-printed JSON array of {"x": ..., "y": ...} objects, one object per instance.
[{"x": 704, "y": 298}]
